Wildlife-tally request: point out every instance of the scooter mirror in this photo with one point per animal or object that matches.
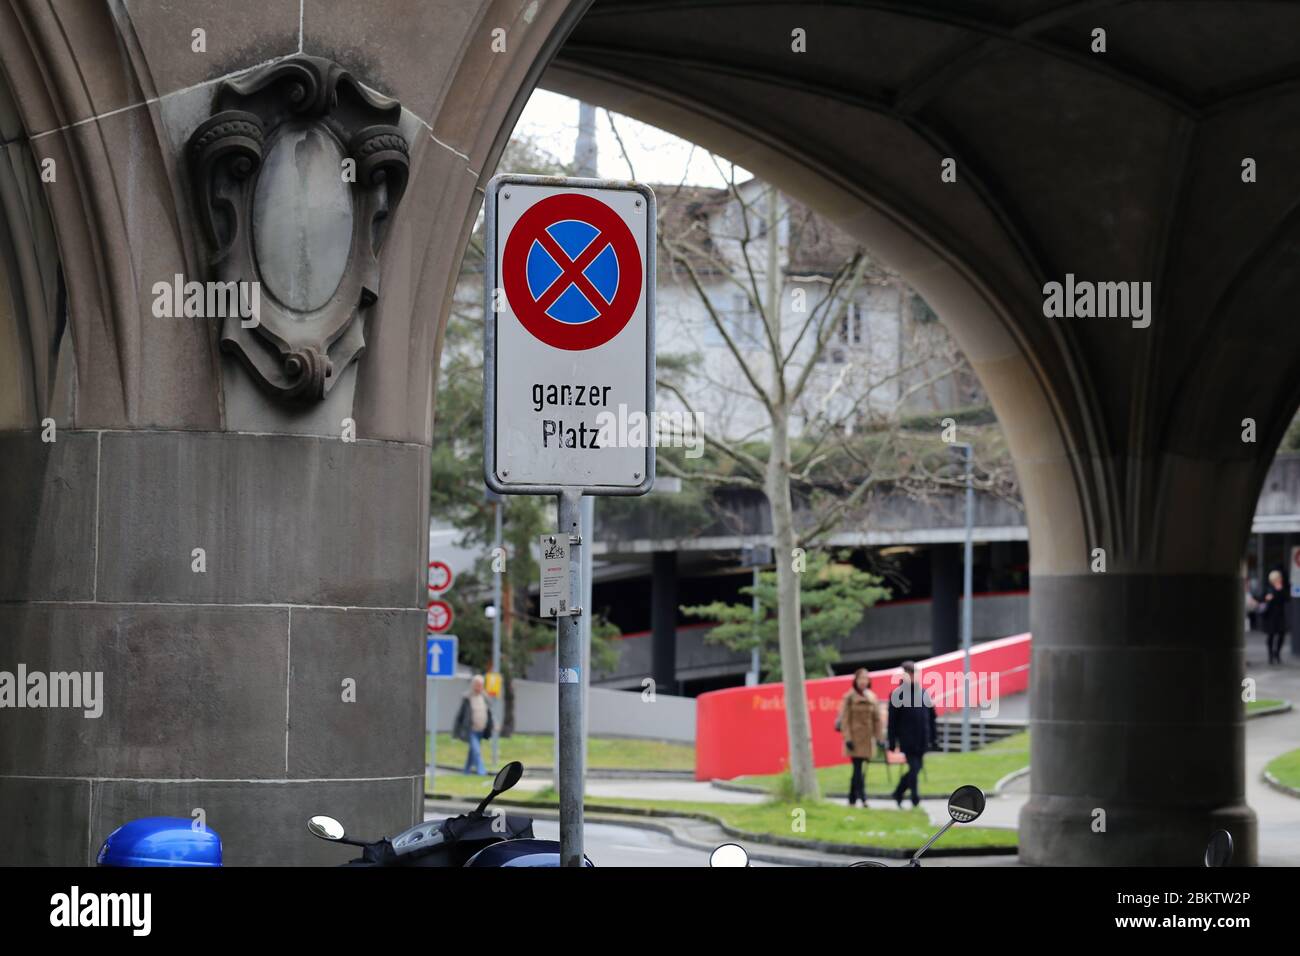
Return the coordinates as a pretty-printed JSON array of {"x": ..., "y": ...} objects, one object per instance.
[
  {"x": 966, "y": 804},
  {"x": 729, "y": 854},
  {"x": 327, "y": 828},
  {"x": 1219, "y": 850},
  {"x": 508, "y": 776}
]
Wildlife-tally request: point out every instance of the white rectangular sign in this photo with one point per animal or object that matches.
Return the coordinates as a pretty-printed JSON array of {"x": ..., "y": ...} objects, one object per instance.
[
  {"x": 569, "y": 345},
  {"x": 553, "y": 598}
]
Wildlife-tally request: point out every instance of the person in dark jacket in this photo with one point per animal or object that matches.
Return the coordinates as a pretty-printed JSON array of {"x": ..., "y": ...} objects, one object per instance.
[
  {"x": 1274, "y": 615},
  {"x": 912, "y": 729},
  {"x": 473, "y": 723}
]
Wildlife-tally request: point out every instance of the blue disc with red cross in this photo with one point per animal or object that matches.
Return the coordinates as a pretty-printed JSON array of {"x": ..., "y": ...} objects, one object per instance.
[{"x": 572, "y": 272}]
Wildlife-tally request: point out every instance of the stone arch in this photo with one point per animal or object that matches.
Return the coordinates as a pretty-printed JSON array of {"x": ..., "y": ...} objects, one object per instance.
[
  {"x": 35, "y": 381},
  {"x": 1127, "y": 167},
  {"x": 977, "y": 308}
]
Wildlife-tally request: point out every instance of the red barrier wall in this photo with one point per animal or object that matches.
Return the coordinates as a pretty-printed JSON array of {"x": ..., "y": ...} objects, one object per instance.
[{"x": 741, "y": 730}]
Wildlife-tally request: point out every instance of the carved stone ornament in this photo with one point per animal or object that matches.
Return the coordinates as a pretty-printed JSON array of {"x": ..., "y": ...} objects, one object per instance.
[{"x": 276, "y": 206}]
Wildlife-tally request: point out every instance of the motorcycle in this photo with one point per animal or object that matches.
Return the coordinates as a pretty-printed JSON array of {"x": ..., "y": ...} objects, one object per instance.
[
  {"x": 965, "y": 805},
  {"x": 476, "y": 839}
]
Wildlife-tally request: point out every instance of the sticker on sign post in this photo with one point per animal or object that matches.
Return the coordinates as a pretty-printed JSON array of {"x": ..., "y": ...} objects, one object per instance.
[
  {"x": 554, "y": 592},
  {"x": 569, "y": 343}
]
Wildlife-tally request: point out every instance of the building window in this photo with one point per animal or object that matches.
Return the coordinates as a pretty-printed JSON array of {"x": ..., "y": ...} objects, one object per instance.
[
  {"x": 851, "y": 331},
  {"x": 744, "y": 316},
  {"x": 921, "y": 311}
]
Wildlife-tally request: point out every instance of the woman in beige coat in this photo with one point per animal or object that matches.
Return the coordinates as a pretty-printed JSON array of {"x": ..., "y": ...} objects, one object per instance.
[{"x": 860, "y": 722}]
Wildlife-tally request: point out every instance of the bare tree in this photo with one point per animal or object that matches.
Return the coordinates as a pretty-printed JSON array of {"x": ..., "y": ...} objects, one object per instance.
[{"x": 831, "y": 418}]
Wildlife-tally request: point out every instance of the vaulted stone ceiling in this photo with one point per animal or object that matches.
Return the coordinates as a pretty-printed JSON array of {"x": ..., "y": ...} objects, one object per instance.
[{"x": 1117, "y": 166}]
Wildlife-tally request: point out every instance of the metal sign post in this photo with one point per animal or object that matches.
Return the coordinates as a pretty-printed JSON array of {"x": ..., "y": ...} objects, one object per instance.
[
  {"x": 569, "y": 772},
  {"x": 568, "y": 387}
]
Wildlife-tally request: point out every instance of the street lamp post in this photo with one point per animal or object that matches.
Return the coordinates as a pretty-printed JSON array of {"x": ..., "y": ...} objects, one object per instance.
[
  {"x": 588, "y": 508},
  {"x": 496, "y": 631},
  {"x": 967, "y": 559},
  {"x": 755, "y": 556},
  {"x": 751, "y": 679}
]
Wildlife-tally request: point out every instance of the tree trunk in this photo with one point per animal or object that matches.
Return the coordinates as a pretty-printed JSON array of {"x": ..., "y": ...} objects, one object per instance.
[{"x": 798, "y": 727}]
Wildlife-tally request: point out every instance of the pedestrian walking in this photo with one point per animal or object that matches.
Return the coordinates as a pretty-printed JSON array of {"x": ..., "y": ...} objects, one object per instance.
[
  {"x": 473, "y": 723},
  {"x": 863, "y": 727},
  {"x": 1251, "y": 603},
  {"x": 1275, "y": 614},
  {"x": 912, "y": 729}
]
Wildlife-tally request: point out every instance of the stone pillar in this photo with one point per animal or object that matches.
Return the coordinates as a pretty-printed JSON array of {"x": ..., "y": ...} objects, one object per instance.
[
  {"x": 945, "y": 598},
  {"x": 663, "y": 621},
  {"x": 1138, "y": 724},
  {"x": 227, "y": 527},
  {"x": 275, "y": 674}
]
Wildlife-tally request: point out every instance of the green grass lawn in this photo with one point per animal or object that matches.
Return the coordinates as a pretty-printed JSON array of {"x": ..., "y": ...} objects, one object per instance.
[
  {"x": 1286, "y": 768},
  {"x": 943, "y": 772},
  {"x": 833, "y": 822},
  {"x": 612, "y": 753},
  {"x": 824, "y": 819},
  {"x": 460, "y": 785},
  {"x": 1252, "y": 705}
]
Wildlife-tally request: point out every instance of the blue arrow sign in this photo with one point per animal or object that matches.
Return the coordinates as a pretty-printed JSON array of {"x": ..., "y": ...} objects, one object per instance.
[{"x": 440, "y": 656}]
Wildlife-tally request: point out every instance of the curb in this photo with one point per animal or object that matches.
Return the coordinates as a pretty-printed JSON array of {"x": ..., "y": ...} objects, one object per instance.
[
  {"x": 1013, "y": 775},
  {"x": 746, "y": 788},
  {"x": 637, "y": 816},
  {"x": 1282, "y": 708},
  {"x": 995, "y": 792},
  {"x": 860, "y": 850},
  {"x": 597, "y": 773},
  {"x": 1281, "y": 787}
]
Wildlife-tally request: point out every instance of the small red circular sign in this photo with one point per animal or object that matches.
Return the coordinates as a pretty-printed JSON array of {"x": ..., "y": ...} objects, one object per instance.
[
  {"x": 440, "y": 576},
  {"x": 439, "y": 619},
  {"x": 572, "y": 272}
]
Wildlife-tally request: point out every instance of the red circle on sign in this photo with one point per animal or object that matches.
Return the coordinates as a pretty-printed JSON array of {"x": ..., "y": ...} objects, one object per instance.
[
  {"x": 440, "y": 576},
  {"x": 611, "y": 231},
  {"x": 439, "y": 617}
]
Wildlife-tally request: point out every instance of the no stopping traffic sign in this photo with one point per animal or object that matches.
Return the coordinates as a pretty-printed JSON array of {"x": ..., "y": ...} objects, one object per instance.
[
  {"x": 572, "y": 272},
  {"x": 569, "y": 341}
]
